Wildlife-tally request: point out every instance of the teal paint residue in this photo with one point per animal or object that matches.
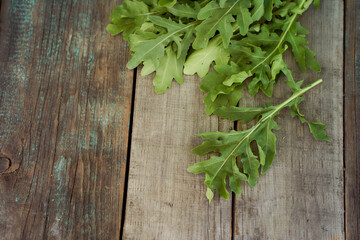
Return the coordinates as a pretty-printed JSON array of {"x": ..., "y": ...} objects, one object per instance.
[
  {"x": 90, "y": 65},
  {"x": 93, "y": 139},
  {"x": 22, "y": 18},
  {"x": 67, "y": 142},
  {"x": 82, "y": 142},
  {"x": 61, "y": 194},
  {"x": 60, "y": 172},
  {"x": 59, "y": 166}
]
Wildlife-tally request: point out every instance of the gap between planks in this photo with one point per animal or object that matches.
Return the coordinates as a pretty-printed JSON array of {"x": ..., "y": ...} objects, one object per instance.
[
  {"x": 351, "y": 116},
  {"x": 128, "y": 155}
]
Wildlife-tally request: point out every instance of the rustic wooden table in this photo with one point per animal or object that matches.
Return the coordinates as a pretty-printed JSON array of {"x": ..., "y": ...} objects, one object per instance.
[{"x": 89, "y": 151}]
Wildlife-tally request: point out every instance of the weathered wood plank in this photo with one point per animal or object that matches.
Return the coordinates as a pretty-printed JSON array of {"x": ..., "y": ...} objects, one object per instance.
[
  {"x": 65, "y": 101},
  {"x": 301, "y": 196},
  {"x": 352, "y": 116},
  {"x": 164, "y": 201}
]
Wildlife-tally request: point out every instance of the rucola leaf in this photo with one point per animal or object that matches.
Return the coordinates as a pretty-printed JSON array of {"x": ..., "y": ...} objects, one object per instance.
[
  {"x": 244, "y": 18},
  {"x": 220, "y": 17},
  {"x": 150, "y": 48},
  {"x": 237, "y": 144},
  {"x": 154, "y": 48},
  {"x": 302, "y": 53},
  {"x": 244, "y": 42},
  {"x": 219, "y": 20},
  {"x": 259, "y": 55},
  {"x": 184, "y": 11},
  {"x": 171, "y": 67},
  {"x": 167, "y": 3},
  {"x": 200, "y": 60},
  {"x": 128, "y": 17}
]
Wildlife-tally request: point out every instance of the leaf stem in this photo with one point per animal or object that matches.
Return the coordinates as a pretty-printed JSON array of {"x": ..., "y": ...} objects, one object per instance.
[{"x": 294, "y": 96}]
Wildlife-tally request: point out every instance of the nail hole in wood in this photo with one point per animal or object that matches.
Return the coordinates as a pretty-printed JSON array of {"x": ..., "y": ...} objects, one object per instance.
[{"x": 5, "y": 164}]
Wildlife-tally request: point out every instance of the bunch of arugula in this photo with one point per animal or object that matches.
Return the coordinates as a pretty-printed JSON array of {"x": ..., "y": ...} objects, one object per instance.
[{"x": 243, "y": 42}]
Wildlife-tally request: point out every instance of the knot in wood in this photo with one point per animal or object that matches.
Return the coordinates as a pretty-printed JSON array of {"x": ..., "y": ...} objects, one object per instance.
[{"x": 5, "y": 164}]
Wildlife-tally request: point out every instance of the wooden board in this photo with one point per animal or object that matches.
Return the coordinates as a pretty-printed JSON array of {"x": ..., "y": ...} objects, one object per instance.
[
  {"x": 65, "y": 100},
  {"x": 164, "y": 201},
  {"x": 352, "y": 116},
  {"x": 302, "y": 194},
  {"x": 65, "y": 109}
]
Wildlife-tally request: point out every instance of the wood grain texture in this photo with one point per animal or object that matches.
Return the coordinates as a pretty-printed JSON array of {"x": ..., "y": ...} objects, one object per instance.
[
  {"x": 352, "y": 118},
  {"x": 65, "y": 101},
  {"x": 301, "y": 196},
  {"x": 164, "y": 201}
]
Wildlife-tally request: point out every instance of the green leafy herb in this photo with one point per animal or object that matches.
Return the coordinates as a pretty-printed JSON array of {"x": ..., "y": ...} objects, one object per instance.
[
  {"x": 237, "y": 144},
  {"x": 260, "y": 56},
  {"x": 234, "y": 45}
]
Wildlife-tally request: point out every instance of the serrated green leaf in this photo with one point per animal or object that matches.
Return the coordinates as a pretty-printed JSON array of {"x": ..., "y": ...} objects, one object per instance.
[
  {"x": 260, "y": 55},
  {"x": 285, "y": 10},
  {"x": 200, "y": 60},
  {"x": 114, "y": 29},
  {"x": 129, "y": 9},
  {"x": 236, "y": 78},
  {"x": 244, "y": 18},
  {"x": 128, "y": 17},
  {"x": 219, "y": 20},
  {"x": 167, "y": 3},
  {"x": 257, "y": 53},
  {"x": 208, "y": 10},
  {"x": 317, "y": 129},
  {"x": 183, "y": 11},
  {"x": 244, "y": 41},
  {"x": 167, "y": 72},
  {"x": 148, "y": 68},
  {"x": 310, "y": 60},
  {"x": 268, "y": 7},
  {"x": 262, "y": 156},
  {"x": 303, "y": 55},
  {"x": 231, "y": 99},
  {"x": 258, "y": 10},
  {"x": 250, "y": 164},
  {"x": 154, "y": 48},
  {"x": 171, "y": 67},
  {"x": 245, "y": 115},
  {"x": 237, "y": 144},
  {"x": 209, "y": 194},
  {"x": 222, "y": 3}
]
